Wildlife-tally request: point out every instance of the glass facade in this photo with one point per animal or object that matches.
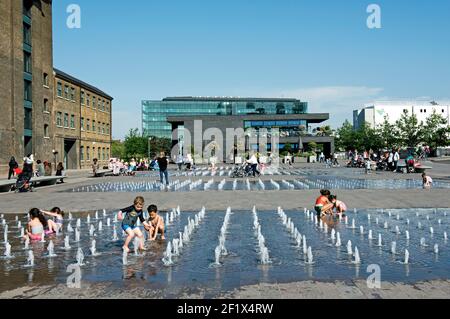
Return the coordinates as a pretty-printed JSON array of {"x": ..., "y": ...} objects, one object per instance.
[{"x": 155, "y": 113}]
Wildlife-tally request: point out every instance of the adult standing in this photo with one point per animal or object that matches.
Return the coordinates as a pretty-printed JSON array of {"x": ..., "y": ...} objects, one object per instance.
[
  {"x": 163, "y": 163},
  {"x": 40, "y": 168},
  {"x": 396, "y": 159},
  {"x": 253, "y": 161},
  {"x": 95, "y": 167},
  {"x": 391, "y": 160},
  {"x": 12, "y": 166},
  {"x": 180, "y": 161},
  {"x": 60, "y": 171},
  {"x": 28, "y": 165}
]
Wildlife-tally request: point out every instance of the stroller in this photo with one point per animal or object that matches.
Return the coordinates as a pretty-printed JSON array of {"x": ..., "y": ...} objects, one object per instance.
[
  {"x": 240, "y": 171},
  {"x": 23, "y": 183}
]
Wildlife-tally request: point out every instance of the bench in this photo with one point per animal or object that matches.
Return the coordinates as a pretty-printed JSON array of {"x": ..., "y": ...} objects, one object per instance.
[
  {"x": 422, "y": 169},
  {"x": 5, "y": 185},
  {"x": 46, "y": 180},
  {"x": 103, "y": 172}
]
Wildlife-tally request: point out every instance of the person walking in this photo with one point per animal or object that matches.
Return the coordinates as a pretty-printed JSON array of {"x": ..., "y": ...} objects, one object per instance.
[
  {"x": 12, "y": 166},
  {"x": 396, "y": 159},
  {"x": 162, "y": 164}
]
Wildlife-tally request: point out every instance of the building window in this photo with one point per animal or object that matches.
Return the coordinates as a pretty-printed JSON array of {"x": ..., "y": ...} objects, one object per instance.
[
  {"x": 27, "y": 65},
  {"x": 59, "y": 90},
  {"x": 59, "y": 119},
  {"x": 46, "y": 105},
  {"x": 88, "y": 125},
  {"x": 46, "y": 130},
  {"x": 107, "y": 106},
  {"x": 82, "y": 97},
  {"x": 93, "y": 102},
  {"x": 27, "y": 91},
  {"x": 82, "y": 153},
  {"x": 104, "y": 154},
  {"x": 98, "y": 104},
  {"x": 99, "y": 128},
  {"x": 28, "y": 120},
  {"x": 88, "y": 153},
  {"x": 93, "y": 152},
  {"x": 72, "y": 94},
  {"x": 45, "y": 79},
  {"x": 26, "y": 5},
  {"x": 66, "y": 92},
  {"x": 99, "y": 153},
  {"x": 93, "y": 126},
  {"x": 72, "y": 121},
  {"x": 103, "y": 128},
  {"x": 66, "y": 120},
  {"x": 88, "y": 100},
  {"x": 26, "y": 34},
  {"x": 82, "y": 124},
  {"x": 103, "y": 105},
  {"x": 107, "y": 129},
  {"x": 107, "y": 153}
]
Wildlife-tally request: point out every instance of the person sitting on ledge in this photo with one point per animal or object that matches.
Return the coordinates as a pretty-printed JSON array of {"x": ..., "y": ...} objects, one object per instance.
[{"x": 95, "y": 167}]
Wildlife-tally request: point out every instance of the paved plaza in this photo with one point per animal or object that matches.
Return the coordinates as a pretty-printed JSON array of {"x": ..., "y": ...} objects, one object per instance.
[{"x": 60, "y": 195}]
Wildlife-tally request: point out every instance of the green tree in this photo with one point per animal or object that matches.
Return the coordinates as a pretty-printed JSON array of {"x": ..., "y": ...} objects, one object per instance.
[
  {"x": 436, "y": 131},
  {"x": 117, "y": 149},
  {"x": 389, "y": 133},
  {"x": 287, "y": 148},
  {"x": 136, "y": 145},
  {"x": 410, "y": 130},
  {"x": 345, "y": 137}
]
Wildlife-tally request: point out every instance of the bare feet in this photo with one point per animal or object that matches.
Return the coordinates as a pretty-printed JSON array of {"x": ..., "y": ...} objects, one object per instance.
[
  {"x": 142, "y": 249},
  {"x": 163, "y": 238},
  {"x": 126, "y": 249}
]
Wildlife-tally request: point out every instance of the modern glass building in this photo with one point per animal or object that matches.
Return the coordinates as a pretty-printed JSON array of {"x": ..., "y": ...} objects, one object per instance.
[{"x": 155, "y": 113}]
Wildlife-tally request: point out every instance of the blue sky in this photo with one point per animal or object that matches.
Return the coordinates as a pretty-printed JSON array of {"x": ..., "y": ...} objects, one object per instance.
[{"x": 319, "y": 51}]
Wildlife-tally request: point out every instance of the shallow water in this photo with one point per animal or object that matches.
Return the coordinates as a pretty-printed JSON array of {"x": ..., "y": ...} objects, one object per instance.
[
  {"x": 194, "y": 267},
  {"x": 221, "y": 184}
]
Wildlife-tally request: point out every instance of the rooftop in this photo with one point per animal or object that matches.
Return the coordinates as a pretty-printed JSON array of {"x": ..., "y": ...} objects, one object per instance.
[
  {"x": 226, "y": 99},
  {"x": 64, "y": 76}
]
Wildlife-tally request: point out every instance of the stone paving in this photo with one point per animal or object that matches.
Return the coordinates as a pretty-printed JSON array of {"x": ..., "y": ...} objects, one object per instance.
[{"x": 48, "y": 197}]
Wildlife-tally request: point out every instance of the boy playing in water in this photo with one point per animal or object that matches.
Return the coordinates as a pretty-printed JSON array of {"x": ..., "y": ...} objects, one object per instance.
[
  {"x": 155, "y": 222},
  {"x": 129, "y": 221},
  {"x": 427, "y": 181}
]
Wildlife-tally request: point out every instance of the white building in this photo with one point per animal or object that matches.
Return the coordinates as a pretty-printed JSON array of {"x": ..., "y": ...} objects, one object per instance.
[{"x": 375, "y": 113}]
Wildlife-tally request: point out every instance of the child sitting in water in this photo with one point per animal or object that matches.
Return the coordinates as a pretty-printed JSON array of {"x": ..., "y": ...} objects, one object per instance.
[
  {"x": 156, "y": 223},
  {"x": 323, "y": 205},
  {"x": 427, "y": 181},
  {"x": 36, "y": 225},
  {"x": 129, "y": 221},
  {"x": 58, "y": 218}
]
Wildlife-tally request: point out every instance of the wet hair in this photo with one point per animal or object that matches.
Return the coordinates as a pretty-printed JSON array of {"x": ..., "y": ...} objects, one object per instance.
[
  {"x": 139, "y": 200},
  {"x": 38, "y": 162},
  {"x": 325, "y": 192},
  {"x": 332, "y": 197},
  {"x": 58, "y": 211},
  {"x": 424, "y": 175},
  {"x": 36, "y": 213},
  {"x": 152, "y": 208}
]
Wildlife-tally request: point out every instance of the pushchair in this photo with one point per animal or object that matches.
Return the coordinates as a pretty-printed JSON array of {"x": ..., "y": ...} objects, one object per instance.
[
  {"x": 240, "y": 171},
  {"x": 23, "y": 183}
]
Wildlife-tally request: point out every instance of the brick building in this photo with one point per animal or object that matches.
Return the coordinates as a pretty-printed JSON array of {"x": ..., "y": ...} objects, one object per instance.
[{"x": 30, "y": 107}]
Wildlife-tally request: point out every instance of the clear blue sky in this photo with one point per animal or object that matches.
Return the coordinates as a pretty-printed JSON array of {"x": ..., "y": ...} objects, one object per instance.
[{"x": 320, "y": 51}]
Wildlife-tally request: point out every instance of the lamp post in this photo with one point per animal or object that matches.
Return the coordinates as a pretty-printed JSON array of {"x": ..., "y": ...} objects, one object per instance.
[{"x": 55, "y": 152}]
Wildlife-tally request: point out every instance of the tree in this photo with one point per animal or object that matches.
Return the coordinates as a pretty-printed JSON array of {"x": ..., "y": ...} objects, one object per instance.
[
  {"x": 389, "y": 133},
  {"x": 117, "y": 149},
  {"x": 136, "y": 145},
  {"x": 345, "y": 137},
  {"x": 410, "y": 130},
  {"x": 436, "y": 131},
  {"x": 287, "y": 147}
]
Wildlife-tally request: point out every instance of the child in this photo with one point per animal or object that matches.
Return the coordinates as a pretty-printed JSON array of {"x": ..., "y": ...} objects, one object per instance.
[
  {"x": 36, "y": 225},
  {"x": 129, "y": 221},
  {"x": 427, "y": 181},
  {"x": 340, "y": 206},
  {"x": 58, "y": 218},
  {"x": 323, "y": 205},
  {"x": 156, "y": 223}
]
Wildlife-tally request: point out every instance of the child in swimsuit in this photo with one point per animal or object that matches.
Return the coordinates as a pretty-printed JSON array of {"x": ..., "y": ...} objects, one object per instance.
[
  {"x": 156, "y": 223},
  {"x": 36, "y": 225},
  {"x": 427, "y": 181},
  {"x": 129, "y": 217},
  {"x": 58, "y": 218},
  {"x": 340, "y": 206}
]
